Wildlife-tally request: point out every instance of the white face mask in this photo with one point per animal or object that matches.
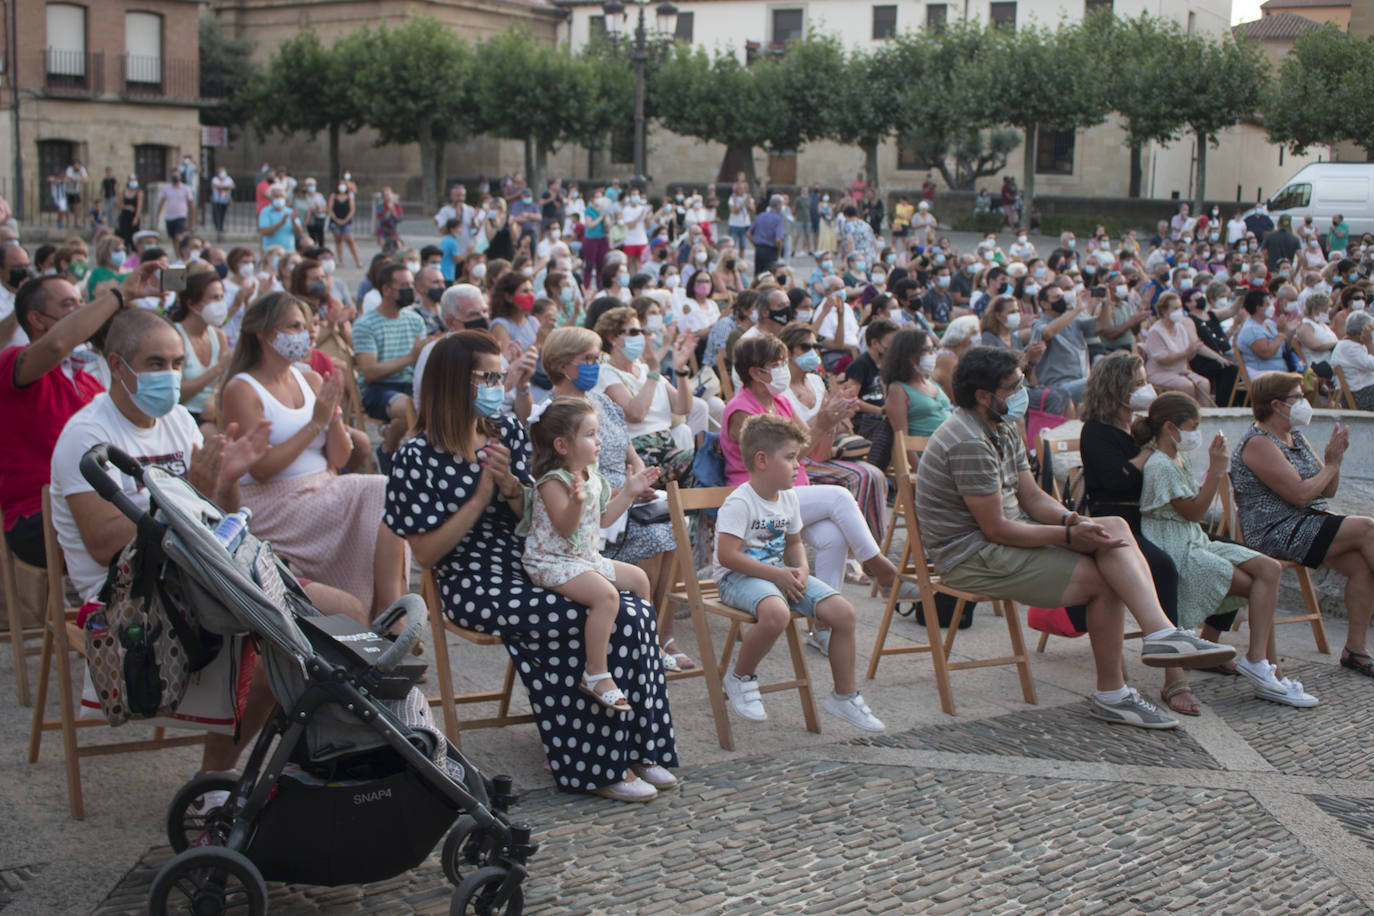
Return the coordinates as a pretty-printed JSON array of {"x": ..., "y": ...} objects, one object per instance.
[
  {"x": 1012, "y": 321},
  {"x": 700, "y": 257},
  {"x": 413, "y": 266},
  {"x": 1190, "y": 440},
  {"x": 778, "y": 379},
  {"x": 215, "y": 313},
  {"x": 1142, "y": 398},
  {"x": 927, "y": 364},
  {"x": 479, "y": 271},
  {"x": 327, "y": 265},
  {"x": 246, "y": 270},
  {"x": 1300, "y": 414},
  {"x": 343, "y": 189},
  {"x": 671, "y": 281},
  {"x": 1122, "y": 291},
  {"x": 1268, "y": 312},
  {"x": 1021, "y": 239},
  {"x": 654, "y": 323}
]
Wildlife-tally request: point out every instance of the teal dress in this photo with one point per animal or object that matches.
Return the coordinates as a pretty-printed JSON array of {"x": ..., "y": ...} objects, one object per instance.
[
  {"x": 1204, "y": 566},
  {"x": 924, "y": 413}
]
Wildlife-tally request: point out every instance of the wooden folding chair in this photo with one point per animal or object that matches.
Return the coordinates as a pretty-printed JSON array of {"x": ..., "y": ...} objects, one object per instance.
[
  {"x": 1230, "y": 527},
  {"x": 439, "y": 627},
  {"x": 12, "y": 570},
  {"x": 702, "y": 597},
  {"x": 1347, "y": 397},
  {"x": 1241, "y": 389},
  {"x": 727, "y": 384},
  {"x": 897, "y": 518},
  {"x": 914, "y": 568},
  {"x": 62, "y": 638},
  {"x": 1073, "y": 480}
]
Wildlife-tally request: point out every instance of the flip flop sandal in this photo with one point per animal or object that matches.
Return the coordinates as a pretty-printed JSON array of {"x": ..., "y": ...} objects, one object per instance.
[
  {"x": 611, "y": 699},
  {"x": 675, "y": 661},
  {"x": 1173, "y": 690},
  {"x": 1352, "y": 660}
]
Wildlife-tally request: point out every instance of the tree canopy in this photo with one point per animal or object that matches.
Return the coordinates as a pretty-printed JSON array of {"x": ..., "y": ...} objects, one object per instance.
[{"x": 1322, "y": 88}]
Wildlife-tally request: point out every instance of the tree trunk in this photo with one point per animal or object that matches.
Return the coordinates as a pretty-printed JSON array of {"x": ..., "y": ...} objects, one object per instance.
[
  {"x": 1137, "y": 170},
  {"x": 529, "y": 160},
  {"x": 440, "y": 184},
  {"x": 1028, "y": 189},
  {"x": 335, "y": 168},
  {"x": 871, "y": 162},
  {"x": 738, "y": 158},
  {"x": 539, "y": 170},
  {"x": 954, "y": 181},
  {"x": 427, "y": 191},
  {"x": 1200, "y": 192}
]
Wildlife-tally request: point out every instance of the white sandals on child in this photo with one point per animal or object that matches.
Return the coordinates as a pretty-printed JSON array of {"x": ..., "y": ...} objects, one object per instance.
[{"x": 612, "y": 698}]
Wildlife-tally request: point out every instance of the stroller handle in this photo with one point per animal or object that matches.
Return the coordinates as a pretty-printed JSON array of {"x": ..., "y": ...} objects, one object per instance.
[
  {"x": 415, "y": 614},
  {"x": 93, "y": 466}
]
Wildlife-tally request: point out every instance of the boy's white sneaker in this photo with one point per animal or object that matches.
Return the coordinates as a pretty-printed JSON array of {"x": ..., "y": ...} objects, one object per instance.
[
  {"x": 744, "y": 696},
  {"x": 854, "y": 711}
]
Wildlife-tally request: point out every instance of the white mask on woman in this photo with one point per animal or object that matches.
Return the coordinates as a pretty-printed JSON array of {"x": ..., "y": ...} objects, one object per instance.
[
  {"x": 927, "y": 364},
  {"x": 1142, "y": 397},
  {"x": 1190, "y": 440},
  {"x": 1300, "y": 414},
  {"x": 778, "y": 379},
  {"x": 1012, "y": 320}
]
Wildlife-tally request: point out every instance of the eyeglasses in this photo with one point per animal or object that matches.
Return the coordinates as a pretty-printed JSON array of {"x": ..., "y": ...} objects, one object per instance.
[
  {"x": 807, "y": 347},
  {"x": 487, "y": 378}
]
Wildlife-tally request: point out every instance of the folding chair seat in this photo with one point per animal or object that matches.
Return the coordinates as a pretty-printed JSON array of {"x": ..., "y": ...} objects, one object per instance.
[
  {"x": 62, "y": 639},
  {"x": 914, "y": 569},
  {"x": 703, "y": 599},
  {"x": 448, "y": 700}
]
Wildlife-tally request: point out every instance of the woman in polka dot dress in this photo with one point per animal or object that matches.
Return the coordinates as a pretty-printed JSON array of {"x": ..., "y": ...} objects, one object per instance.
[
  {"x": 570, "y": 504},
  {"x": 456, "y": 493}
]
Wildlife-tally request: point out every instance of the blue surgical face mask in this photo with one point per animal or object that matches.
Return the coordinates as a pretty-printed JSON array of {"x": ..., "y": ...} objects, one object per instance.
[
  {"x": 587, "y": 376},
  {"x": 624, "y": 280},
  {"x": 942, "y": 282},
  {"x": 156, "y": 392},
  {"x": 489, "y": 398},
  {"x": 117, "y": 258},
  {"x": 634, "y": 348},
  {"x": 1016, "y": 405},
  {"x": 827, "y": 264},
  {"x": 860, "y": 267},
  {"x": 808, "y": 361},
  {"x": 566, "y": 294},
  {"x": 1353, "y": 277}
]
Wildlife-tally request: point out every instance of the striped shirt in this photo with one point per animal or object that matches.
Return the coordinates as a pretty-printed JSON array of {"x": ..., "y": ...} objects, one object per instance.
[
  {"x": 965, "y": 457},
  {"x": 388, "y": 338}
]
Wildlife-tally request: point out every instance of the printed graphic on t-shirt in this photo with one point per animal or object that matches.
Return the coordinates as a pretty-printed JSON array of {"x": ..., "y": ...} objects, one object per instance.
[{"x": 769, "y": 539}]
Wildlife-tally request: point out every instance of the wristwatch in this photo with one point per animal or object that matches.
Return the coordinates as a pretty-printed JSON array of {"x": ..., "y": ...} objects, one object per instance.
[{"x": 655, "y": 374}]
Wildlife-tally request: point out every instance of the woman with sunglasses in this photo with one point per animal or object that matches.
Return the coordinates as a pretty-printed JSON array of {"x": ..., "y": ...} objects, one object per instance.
[{"x": 648, "y": 400}]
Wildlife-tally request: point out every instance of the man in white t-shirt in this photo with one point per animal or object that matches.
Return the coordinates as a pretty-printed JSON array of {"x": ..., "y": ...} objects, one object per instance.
[
  {"x": 836, "y": 326},
  {"x": 741, "y": 217},
  {"x": 457, "y": 208},
  {"x": 635, "y": 215},
  {"x": 142, "y": 416}
]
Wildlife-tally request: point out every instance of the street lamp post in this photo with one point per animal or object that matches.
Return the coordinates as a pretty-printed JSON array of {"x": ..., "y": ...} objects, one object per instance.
[{"x": 639, "y": 53}]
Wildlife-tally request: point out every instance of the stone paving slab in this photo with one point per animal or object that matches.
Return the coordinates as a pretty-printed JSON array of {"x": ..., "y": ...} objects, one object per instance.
[
  {"x": 1331, "y": 739},
  {"x": 1045, "y": 733},
  {"x": 12, "y": 881},
  {"x": 827, "y": 837},
  {"x": 1354, "y": 814}
]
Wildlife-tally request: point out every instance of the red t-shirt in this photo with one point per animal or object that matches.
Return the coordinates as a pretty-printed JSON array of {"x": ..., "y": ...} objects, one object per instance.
[
  {"x": 33, "y": 418},
  {"x": 322, "y": 363}
]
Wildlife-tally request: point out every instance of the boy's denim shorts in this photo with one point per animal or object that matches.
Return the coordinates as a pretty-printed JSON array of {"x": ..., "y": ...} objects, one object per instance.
[{"x": 745, "y": 593}]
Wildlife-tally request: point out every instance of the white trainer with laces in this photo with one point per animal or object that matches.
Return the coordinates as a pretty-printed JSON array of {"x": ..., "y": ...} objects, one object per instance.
[
  {"x": 854, "y": 711},
  {"x": 1269, "y": 687}
]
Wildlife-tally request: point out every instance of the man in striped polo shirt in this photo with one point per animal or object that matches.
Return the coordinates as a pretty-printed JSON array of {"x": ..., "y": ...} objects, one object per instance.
[{"x": 988, "y": 527}]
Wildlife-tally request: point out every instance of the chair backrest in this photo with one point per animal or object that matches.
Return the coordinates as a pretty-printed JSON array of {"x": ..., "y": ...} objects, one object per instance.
[
  {"x": 1047, "y": 448},
  {"x": 727, "y": 385},
  {"x": 1347, "y": 396},
  {"x": 906, "y": 485},
  {"x": 1227, "y": 524},
  {"x": 680, "y": 501}
]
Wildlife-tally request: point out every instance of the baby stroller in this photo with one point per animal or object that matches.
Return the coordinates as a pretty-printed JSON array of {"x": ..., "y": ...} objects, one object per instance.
[{"x": 350, "y": 781}]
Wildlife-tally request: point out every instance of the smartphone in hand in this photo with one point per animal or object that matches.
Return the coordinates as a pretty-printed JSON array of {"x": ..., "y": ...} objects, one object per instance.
[{"x": 172, "y": 279}]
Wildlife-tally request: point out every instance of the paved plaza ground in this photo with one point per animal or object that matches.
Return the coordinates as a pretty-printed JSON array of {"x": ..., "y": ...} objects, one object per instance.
[{"x": 1004, "y": 808}]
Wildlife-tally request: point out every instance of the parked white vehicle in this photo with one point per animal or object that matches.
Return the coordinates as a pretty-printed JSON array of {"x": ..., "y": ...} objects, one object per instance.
[{"x": 1322, "y": 190}]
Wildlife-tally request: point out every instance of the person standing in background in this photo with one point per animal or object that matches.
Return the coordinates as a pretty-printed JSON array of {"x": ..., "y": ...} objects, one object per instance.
[
  {"x": 75, "y": 186},
  {"x": 221, "y": 193},
  {"x": 109, "y": 190},
  {"x": 190, "y": 176}
]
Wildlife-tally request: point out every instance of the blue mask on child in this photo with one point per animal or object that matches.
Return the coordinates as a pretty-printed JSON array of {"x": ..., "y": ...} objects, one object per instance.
[
  {"x": 587, "y": 375},
  {"x": 157, "y": 392},
  {"x": 489, "y": 398},
  {"x": 808, "y": 361},
  {"x": 634, "y": 348},
  {"x": 1016, "y": 405}
]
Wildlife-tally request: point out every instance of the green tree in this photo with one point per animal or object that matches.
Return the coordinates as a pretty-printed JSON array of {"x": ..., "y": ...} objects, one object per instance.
[
  {"x": 1038, "y": 79},
  {"x": 851, "y": 98},
  {"x": 716, "y": 99},
  {"x": 226, "y": 69},
  {"x": 1322, "y": 92},
  {"x": 1228, "y": 80},
  {"x": 608, "y": 85},
  {"x": 419, "y": 80},
  {"x": 308, "y": 89}
]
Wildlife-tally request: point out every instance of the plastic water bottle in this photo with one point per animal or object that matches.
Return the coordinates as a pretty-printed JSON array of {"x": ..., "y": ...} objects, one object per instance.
[{"x": 231, "y": 527}]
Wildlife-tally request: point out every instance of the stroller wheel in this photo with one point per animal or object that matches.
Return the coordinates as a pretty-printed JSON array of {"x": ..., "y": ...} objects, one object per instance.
[
  {"x": 208, "y": 881},
  {"x": 198, "y": 816},
  {"x": 481, "y": 894},
  {"x": 463, "y": 849}
]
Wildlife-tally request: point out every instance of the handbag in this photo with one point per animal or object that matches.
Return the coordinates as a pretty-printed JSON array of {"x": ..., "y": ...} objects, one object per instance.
[
  {"x": 653, "y": 512},
  {"x": 705, "y": 384},
  {"x": 1039, "y": 419},
  {"x": 850, "y": 447}
]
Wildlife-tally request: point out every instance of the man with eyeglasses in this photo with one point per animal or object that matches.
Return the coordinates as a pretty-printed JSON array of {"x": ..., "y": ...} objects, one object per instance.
[
  {"x": 988, "y": 527},
  {"x": 43, "y": 383},
  {"x": 15, "y": 268}
]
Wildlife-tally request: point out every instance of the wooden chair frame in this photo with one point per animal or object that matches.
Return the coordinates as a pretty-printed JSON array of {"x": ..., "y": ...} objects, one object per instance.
[
  {"x": 439, "y": 627},
  {"x": 727, "y": 385},
  {"x": 1346, "y": 396},
  {"x": 11, "y": 568},
  {"x": 61, "y": 639},
  {"x": 897, "y": 519},
  {"x": 1230, "y": 527},
  {"x": 914, "y": 568},
  {"x": 702, "y": 597},
  {"x": 1241, "y": 388}
]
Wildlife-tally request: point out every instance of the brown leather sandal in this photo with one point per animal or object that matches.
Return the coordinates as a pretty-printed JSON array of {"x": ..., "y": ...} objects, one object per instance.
[{"x": 1176, "y": 689}]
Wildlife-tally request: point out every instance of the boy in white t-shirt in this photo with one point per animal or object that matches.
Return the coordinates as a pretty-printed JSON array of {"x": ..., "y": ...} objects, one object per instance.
[{"x": 761, "y": 567}]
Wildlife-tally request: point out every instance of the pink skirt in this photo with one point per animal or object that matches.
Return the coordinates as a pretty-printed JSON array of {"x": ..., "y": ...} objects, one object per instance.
[{"x": 323, "y": 524}]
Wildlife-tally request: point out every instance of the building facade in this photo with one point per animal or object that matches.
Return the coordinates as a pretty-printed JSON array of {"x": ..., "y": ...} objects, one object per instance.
[{"x": 109, "y": 82}]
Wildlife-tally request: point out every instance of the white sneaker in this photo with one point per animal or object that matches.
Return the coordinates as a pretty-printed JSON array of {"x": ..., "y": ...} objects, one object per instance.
[
  {"x": 1268, "y": 686},
  {"x": 627, "y": 790},
  {"x": 854, "y": 711},
  {"x": 744, "y": 696},
  {"x": 820, "y": 641}
]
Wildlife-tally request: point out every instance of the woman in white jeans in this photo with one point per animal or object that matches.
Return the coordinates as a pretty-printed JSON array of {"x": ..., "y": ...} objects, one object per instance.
[{"x": 831, "y": 521}]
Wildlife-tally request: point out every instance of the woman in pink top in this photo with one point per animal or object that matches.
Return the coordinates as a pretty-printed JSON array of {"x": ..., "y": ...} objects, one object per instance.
[
  {"x": 831, "y": 520},
  {"x": 1170, "y": 344}
]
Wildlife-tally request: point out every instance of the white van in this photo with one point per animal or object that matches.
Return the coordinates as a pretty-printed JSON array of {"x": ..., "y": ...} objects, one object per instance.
[{"x": 1322, "y": 190}]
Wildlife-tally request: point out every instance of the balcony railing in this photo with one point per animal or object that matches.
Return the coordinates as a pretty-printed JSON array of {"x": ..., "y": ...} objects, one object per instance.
[
  {"x": 81, "y": 74},
  {"x": 73, "y": 73}
]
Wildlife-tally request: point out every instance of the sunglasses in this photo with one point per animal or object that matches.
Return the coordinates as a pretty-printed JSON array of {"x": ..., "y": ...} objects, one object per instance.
[
  {"x": 632, "y": 332},
  {"x": 487, "y": 378},
  {"x": 807, "y": 347}
]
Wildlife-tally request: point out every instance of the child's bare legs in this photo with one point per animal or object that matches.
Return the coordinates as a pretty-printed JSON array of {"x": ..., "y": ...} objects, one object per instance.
[
  {"x": 838, "y": 615},
  {"x": 602, "y": 601},
  {"x": 1258, "y": 579},
  {"x": 772, "y": 618},
  {"x": 631, "y": 579}
]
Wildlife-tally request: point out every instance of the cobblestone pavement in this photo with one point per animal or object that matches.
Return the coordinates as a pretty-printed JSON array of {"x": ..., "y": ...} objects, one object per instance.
[{"x": 1046, "y": 810}]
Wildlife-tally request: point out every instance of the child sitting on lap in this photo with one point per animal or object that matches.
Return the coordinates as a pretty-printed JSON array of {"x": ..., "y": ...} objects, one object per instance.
[
  {"x": 761, "y": 568},
  {"x": 570, "y": 505}
]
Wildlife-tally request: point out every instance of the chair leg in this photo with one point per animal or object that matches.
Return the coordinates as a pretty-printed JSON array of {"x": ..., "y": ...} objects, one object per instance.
[
  {"x": 1314, "y": 609},
  {"x": 1044, "y": 641},
  {"x": 1018, "y": 648},
  {"x": 68, "y": 704},
  {"x": 730, "y": 639},
  {"x": 808, "y": 696},
  {"x": 937, "y": 656},
  {"x": 714, "y": 688},
  {"x": 954, "y": 619},
  {"x": 439, "y": 638},
  {"x": 40, "y": 701},
  {"x": 503, "y": 708},
  {"x": 882, "y": 629}
]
